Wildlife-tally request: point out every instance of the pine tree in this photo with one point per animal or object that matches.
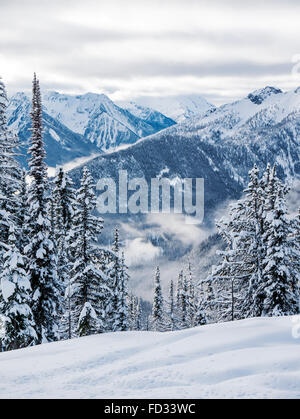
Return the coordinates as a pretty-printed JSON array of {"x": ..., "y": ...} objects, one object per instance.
[
  {"x": 178, "y": 305},
  {"x": 132, "y": 304},
  {"x": 172, "y": 309},
  {"x": 258, "y": 274},
  {"x": 119, "y": 280},
  {"x": 184, "y": 303},
  {"x": 64, "y": 202},
  {"x": 200, "y": 317},
  {"x": 139, "y": 320},
  {"x": 10, "y": 174},
  {"x": 88, "y": 282},
  {"x": 123, "y": 298},
  {"x": 23, "y": 212},
  {"x": 157, "y": 306},
  {"x": 236, "y": 278},
  {"x": 40, "y": 250},
  {"x": 191, "y": 297},
  {"x": 280, "y": 278},
  {"x": 16, "y": 291}
]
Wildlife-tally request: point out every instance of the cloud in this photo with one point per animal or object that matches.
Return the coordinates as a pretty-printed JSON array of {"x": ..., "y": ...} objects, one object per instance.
[
  {"x": 158, "y": 47},
  {"x": 138, "y": 252},
  {"x": 175, "y": 225}
]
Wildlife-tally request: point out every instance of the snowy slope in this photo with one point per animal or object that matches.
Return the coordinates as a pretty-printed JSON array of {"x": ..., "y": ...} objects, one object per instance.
[
  {"x": 100, "y": 120},
  {"x": 178, "y": 108},
  {"x": 91, "y": 122},
  {"x": 62, "y": 144},
  {"x": 254, "y": 358},
  {"x": 262, "y": 108}
]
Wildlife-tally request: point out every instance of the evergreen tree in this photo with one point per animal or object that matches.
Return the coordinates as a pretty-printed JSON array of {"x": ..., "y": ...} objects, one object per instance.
[
  {"x": 132, "y": 304},
  {"x": 15, "y": 305},
  {"x": 178, "y": 305},
  {"x": 191, "y": 298},
  {"x": 258, "y": 274},
  {"x": 237, "y": 277},
  {"x": 119, "y": 280},
  {"x": 280, "y": 277},
  {"x": 139, "y": 320},
  {"x": 184, "y": 303},
  {"x": 157, "y": 306},
  {"x": 89, "y": 283},
  {"x": 172, "y": 308},
  {"x": 40, "y": 250},
  {"x": 23, "y": 213},
  {"x": 10, "y": 174},
  {"x": 64, "y": 201},
  {"x": 123, "y": 298},
  {"x": 200, "y": 317}
]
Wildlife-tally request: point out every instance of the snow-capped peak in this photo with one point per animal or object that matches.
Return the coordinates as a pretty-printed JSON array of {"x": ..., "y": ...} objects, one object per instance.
[
  {"x": 178, "y": 108},
  {"x": 258, "y": 96}
]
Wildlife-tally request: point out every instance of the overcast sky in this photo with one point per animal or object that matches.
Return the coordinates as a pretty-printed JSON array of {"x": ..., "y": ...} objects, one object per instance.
[{"x": 221, "y": 49}]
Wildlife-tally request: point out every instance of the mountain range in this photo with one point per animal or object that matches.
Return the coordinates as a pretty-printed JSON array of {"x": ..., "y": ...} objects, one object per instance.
[
  {"x": 78, "y": 126},
  {"x": 218, "y": 144},
  {"x": 178, "y": 108},
  {"x": 221, "y": 146}
]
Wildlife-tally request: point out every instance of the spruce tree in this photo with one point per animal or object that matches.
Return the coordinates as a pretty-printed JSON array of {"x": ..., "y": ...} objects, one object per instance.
[
  {"x": 172, "y": 308},
  {"x": 88, "y": 282},
  {"x": 132, "y": 304},
  {"x": 40, "y": 250},
  {"x": 139, "y": 320},
  {"x": 184, "y": 303},
  {"x": 158, "y": 305},
  {"x": 119, "y": 279},
  {"x": 237, "y": 277},
  {"x": 64, "y": 202},
  {"x": 178, "y": 305},
  {"x": 10, "y": 174},
  {"x": 16, "y": 292},
  {"x": 191, "y": 297},
  {"x": 200, "y": 317},
  {"x": 280, "y": 276}
]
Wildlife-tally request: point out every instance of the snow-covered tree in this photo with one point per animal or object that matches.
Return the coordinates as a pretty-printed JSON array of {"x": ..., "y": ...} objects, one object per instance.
[
  {"x": 191, "y": 297},
  {"x": 280, "y": 276},
  {"x": 10, "y": 174},
  {"x": 64, "y": 201},
  {"x": 15, "y": 304},
  {"x": 236, "y": 278},
  {"x": 123, "y": 298},
  {"x": 200, "y": 317},
  {"x": 88, "y": 322},
  {"x": 40, "y": 250},
  {"x": 88, "y": 282},
  {"x": 119, "y": 279},
  {"x": 23, "y": 212},
  {"x": 132, "y": 311},
  {"x": 139, "y": 319},
  {"x": 158, "y": 318},
  {"x": 171, "y": 308},
  {"x": 184, "y": 302},
  {"x": 258, "y": 275}
]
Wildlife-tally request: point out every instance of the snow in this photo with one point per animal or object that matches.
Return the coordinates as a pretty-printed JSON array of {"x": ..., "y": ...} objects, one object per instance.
[
  {"x": 54, "y": 135},
  {"x": 179, "y": 108},
  {"x": 253, "y": 358},
  {"x": 7, "y": 288},
  {"x": 88, "y": 310}
]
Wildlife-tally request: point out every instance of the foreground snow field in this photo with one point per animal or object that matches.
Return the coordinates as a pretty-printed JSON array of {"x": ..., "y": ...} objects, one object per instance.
[{"x": 254, "y": 358}]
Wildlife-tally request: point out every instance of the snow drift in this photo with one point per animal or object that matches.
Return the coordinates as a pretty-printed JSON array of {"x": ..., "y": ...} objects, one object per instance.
[{"x": 253, "y": 358}]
